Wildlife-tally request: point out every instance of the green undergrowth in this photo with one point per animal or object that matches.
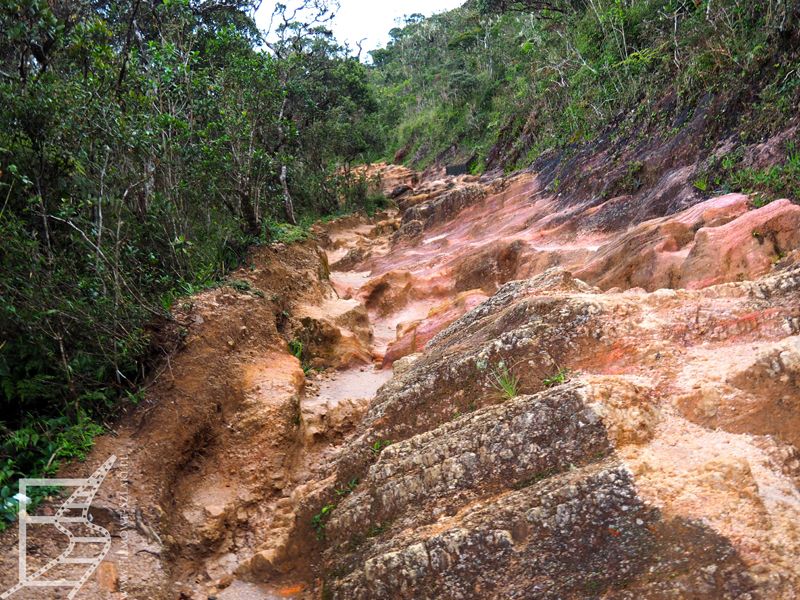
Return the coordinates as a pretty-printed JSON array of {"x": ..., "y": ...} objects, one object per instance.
[
  {"x": 379, "y": 446},
  {"x": 559, "y": 377},
  {"x": 37, "y": 449},
  {"x": 298, "y": 350},
  {"x": 781, "y": 180},
  {"x": 360, "y": 196},
  {"x": 320, "y": 519},
  {"x": 505, "y": 382}
]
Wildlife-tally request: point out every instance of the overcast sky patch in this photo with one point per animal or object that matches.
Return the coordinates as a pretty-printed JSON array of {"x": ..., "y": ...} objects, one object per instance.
[{"x": 370, "y": 20}]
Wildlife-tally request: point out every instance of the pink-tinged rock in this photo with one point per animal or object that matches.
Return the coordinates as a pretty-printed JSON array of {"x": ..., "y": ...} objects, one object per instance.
[
  {"x": 744, "y": 248},
  {"x": 412, "y": 337},
  {"x": 714, "y": 212},
  {"x": 716, "y": 241}
]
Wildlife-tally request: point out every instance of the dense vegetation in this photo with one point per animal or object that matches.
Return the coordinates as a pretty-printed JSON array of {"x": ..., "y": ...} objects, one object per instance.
[
  {"x": 532, "y": 75},
  {"x": 143, "y": 147}
]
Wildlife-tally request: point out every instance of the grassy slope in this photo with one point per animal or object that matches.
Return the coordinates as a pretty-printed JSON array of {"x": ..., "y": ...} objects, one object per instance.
[{"x": 510, "y": 89}]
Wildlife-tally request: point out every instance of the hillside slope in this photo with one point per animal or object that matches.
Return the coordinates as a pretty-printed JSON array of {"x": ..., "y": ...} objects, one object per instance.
[{"x": 670, "y": 102}]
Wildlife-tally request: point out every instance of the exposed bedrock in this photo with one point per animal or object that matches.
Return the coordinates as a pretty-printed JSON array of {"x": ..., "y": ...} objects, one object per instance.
[
  {"x": 515, "y": 230},
  {"x": 583, "y": 533},
  {"x": 576, "y": 491},
  {"x": 714, "y": 242}
]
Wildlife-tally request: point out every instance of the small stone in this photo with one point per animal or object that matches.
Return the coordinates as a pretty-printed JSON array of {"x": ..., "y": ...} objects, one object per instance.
[{"x": 215, "y": 511}]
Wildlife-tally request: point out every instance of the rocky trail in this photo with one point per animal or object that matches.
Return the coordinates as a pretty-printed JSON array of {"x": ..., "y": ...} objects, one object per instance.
[{"x": 334, "y": 424}]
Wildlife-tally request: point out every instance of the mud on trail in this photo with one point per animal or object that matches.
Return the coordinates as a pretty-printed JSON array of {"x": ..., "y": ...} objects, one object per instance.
[{"x": 649, "y": 448}]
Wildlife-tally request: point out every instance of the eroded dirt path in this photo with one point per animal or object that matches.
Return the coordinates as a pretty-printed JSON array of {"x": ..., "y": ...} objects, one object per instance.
[{"x": 650, "y": 449}]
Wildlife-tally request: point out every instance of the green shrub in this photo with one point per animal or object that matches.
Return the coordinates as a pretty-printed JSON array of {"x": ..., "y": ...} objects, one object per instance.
[
  {"x": 348, "y": 488},
  {"x": 379, "y": 446},
  {"x": 38, "y": 446}
]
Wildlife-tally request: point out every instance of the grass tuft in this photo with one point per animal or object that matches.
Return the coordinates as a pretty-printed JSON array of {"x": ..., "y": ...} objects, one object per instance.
[{"x": 505, "y": 382}]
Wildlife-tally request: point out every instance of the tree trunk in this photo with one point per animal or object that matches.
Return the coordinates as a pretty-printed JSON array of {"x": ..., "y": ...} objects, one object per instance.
[
  {"x": 287, "y": 198},
  {"x": 247, "y": 210}
]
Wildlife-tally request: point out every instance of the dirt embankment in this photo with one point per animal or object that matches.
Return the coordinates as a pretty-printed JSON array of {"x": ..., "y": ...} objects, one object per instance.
[{"x": 476, "y": 395}]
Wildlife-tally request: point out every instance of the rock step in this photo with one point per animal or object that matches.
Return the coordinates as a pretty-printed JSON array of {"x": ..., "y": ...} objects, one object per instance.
[
  {"x": 583, "y": 533},
  {"x": 523, "y": 439}
]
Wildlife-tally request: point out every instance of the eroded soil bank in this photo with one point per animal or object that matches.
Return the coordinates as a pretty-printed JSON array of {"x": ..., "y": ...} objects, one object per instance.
[{"x": 648, "y": 450}]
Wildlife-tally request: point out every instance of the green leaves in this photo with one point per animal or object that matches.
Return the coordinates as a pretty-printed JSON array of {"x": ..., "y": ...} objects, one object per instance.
[
  {"x": 379, "y": 446},
  {"x": 17, "y": 176},
  {"x": 36, "y": 449},
  {"x": 505, "y": 382},
  {"x": 319, "y": 520},
  {"x": 559, "y": 377}
]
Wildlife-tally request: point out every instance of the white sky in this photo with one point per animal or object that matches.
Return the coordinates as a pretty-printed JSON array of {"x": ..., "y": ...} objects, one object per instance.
[{"x": 371, "y": 19}]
